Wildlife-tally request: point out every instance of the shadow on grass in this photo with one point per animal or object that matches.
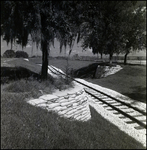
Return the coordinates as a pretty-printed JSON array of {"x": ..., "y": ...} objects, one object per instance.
[
  {"x": 139, "y": 89},
  {"x": 90, "y": 70},
  {"x": 139, "y": 94},
  {"x": 25, "y": 126},
  {"x": 131, "y": 64},
  {"x": 136, "y": 96},
  {"x": 16, "y": 73}
]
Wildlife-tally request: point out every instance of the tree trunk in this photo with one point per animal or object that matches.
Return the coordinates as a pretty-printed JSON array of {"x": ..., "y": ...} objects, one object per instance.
[
  {"x": 32, "y": 48},
  {"x": 44, "y": 47},
  {"x": 128, "y": 47},
  {"x": 110, "y": 58},
  {"x": 101, "y": 55},
  {"x": 11, "y": 44},
  {"x": 110, "y": 48},
  {"x": 44, "y": 69},
  {"x": 125, "y": 58}
]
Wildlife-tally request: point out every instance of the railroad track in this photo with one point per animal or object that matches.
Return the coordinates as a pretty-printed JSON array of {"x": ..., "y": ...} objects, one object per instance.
[
  {"x": 133, "y": 115},
  {"x": 110, "y": 103}
]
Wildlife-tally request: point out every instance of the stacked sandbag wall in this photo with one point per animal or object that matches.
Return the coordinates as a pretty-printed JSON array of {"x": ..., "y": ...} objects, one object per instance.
[{"x": 72, "y": 105}]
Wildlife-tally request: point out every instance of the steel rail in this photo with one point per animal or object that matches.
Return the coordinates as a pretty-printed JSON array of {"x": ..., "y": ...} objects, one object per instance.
[
  {"x": 120, "y": 111},
  {"x": 135, "y": 108}
]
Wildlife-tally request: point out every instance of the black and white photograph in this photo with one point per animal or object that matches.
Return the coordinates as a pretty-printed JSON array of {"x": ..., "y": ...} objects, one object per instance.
[{"x": 73, "y": 74}]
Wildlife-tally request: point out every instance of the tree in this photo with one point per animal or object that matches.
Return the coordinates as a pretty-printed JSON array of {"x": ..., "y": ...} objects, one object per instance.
[
  {"x": 134, "y": 29},
  {"x": 8, "y": 26},
  {"x": 9, "y": 54},
  {"x": 100, "y": 29},
  {"x": 43, "y": 20},
  {"x": 21, "y": 54},
  {"x": 90, "y": 27},
  {"x": 113, "y": 27}
]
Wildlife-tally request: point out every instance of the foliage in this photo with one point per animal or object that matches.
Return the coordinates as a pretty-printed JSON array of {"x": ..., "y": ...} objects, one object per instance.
[
  {"x": 21, "y": 54},
  {"x": 9, "y": 54},
  {"x": 101, "y": 36},
  {"x": 43, "y": 20},
  {"x": 13, "y": 22},
  {"x": 134, "y": 29},
  {"x": 109, "y": 29},
  {"x": 104, "y": 26}
]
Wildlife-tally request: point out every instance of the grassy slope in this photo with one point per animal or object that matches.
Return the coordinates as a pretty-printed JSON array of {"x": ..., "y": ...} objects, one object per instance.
[
  {"x": 20, "y": 62},
  {"x": 25, "y": 126},
  {"x": 61, "y": 63},
  {"x": 130, "y": 81}
]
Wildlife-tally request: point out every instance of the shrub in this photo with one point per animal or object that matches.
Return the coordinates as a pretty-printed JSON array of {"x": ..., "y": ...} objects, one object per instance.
[
  {"x": 9, "y": 54},
  {"x": 21, "y": 54},
  {"x": 33, "y": 56}
]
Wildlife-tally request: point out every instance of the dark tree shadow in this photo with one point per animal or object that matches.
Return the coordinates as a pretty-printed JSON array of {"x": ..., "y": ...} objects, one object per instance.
[
  {"x": 139, "y": 94},
  {"x": 88, "y": 71},
  {"x": 16, "y": 73}
]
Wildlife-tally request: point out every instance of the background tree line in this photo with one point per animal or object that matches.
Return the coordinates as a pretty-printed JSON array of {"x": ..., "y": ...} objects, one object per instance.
[{"x": 107, "y": 27}]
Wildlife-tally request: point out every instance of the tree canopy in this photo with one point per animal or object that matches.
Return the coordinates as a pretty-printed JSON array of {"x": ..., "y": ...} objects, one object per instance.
[
  {"x": 43, "y": 20},
  {"x": 104, "y": 26},
  {"x": 115, "y": 26}
]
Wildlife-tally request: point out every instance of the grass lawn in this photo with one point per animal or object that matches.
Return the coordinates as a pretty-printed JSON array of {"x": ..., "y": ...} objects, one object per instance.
[
  {"x": 24, "y": 126},
  {"x": 20, "y": 62},
  {"x": 130, "y": 81},
  {"x": 62, "y": 63}
]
